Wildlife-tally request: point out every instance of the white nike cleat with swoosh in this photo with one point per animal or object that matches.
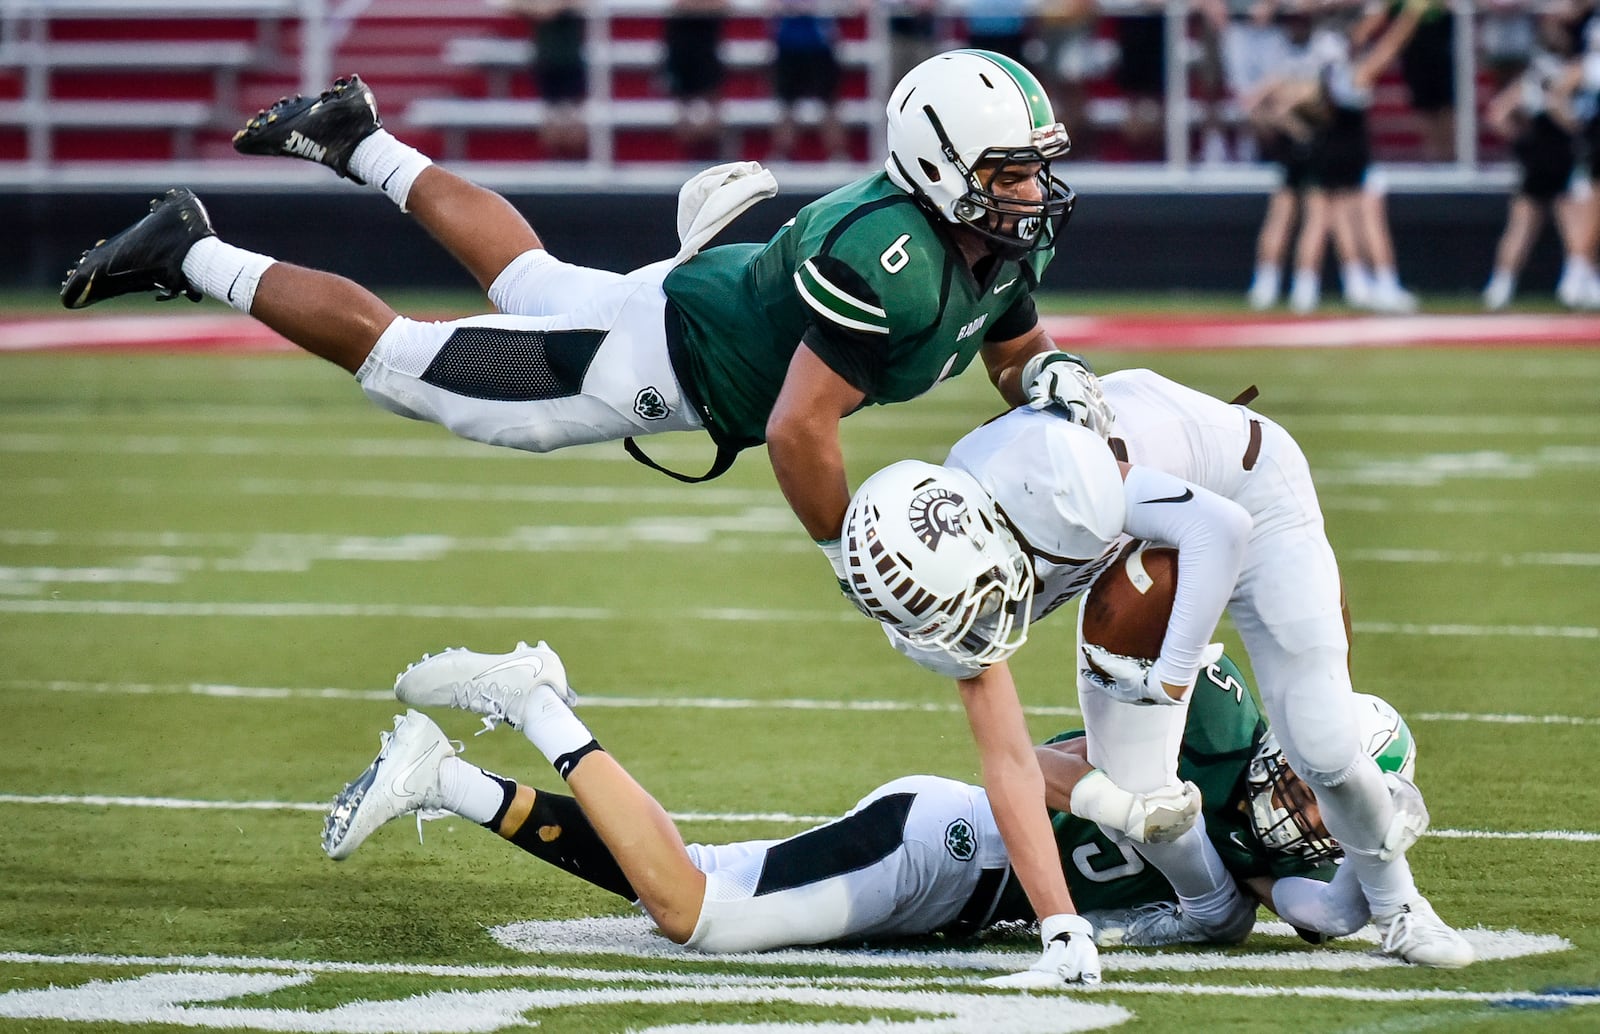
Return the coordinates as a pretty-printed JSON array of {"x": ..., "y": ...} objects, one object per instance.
[
  {"x": 402, "y": 779},
  {"x": 497, "y": 686}
]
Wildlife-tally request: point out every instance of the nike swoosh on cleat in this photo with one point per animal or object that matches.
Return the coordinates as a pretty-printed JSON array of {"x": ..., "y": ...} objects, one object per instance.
[
  {"x": 398, "y": 784},
  {"x": 1188, "y": 494},
  {"x": 512, "y": 663}
]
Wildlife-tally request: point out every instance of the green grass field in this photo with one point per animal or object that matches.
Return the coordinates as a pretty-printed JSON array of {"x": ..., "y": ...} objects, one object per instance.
[{"x": 212, "y": 567}]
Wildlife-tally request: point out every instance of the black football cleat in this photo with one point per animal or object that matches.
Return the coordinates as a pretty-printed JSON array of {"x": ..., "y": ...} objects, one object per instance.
[
  {"x": 147, "y": 256},
  {"x": 324, "y": 130}
]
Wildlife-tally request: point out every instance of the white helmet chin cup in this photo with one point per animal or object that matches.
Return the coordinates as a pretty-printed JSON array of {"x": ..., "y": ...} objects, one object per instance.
[
  {"x": 927, "y": 553},
  {"x": 966, "y": 107}
]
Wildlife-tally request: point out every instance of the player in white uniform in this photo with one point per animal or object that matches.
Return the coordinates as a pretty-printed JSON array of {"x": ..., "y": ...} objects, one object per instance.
[
  {"x": 917, "y": 855},
  {"x": 1028, "y": 509},
  {"x": 921, "y": 854}
]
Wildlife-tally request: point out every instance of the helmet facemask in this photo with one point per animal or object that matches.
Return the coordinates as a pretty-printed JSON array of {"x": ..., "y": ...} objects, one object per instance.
[
  {"x": 1278, "y": 800},
  {"x": 930, "y": 556},
  {"x": 1012, "y": 226}
]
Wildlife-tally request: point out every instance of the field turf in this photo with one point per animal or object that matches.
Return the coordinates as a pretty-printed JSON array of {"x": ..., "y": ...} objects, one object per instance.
[{"x": 211, "y": 568}]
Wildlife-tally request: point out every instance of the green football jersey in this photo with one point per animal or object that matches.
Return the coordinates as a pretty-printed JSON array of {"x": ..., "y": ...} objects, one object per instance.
[
  {"x": 1224, "y": 729},
  {"x": 867, "y": 279}
]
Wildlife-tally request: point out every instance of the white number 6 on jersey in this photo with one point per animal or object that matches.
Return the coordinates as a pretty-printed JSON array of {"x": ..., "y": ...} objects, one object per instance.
[{"x": 896, "y": 257}]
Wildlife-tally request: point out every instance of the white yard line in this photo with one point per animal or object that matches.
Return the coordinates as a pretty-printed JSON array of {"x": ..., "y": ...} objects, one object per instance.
[{"x": 734, "y": 817}]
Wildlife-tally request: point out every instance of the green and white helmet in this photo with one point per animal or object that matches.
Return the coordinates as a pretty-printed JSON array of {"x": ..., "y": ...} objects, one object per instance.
[
  {"x": 963, "y": 108},
  {"x": 1280, "y": 822}
]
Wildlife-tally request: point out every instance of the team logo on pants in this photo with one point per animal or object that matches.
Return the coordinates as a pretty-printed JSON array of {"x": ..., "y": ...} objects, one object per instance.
[
  {"x": 650, "y": 405},
  {"x": 960, "y": 841}
]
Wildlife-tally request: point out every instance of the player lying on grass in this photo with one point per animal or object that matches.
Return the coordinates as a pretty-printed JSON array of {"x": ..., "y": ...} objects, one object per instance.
[
  {"x": 1030, "y": 509},
  {"x": 918, "y": 855}
]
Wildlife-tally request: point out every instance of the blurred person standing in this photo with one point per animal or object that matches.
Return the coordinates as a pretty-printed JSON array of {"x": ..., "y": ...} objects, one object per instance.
[
  {"x": 1141, "y": 75},
  {"x": 1428, "y": 67},
  {"x": 694, "y": 72},
  {"x": 1338, "y": 103},
  {"x": 561, "y": 72},
  {"x": 1542, "y": 138},
  {"x": 806, "y": 68}
]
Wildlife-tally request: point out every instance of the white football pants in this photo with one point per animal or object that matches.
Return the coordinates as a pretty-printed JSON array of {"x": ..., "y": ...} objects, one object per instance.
[{"x": 576, "y": 356}]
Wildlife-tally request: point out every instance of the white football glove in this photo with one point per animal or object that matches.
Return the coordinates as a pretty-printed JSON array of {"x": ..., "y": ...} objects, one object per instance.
[
  {"x": 1070, "y": 957},
  {"x": 1064, "y": 380},
  {"x": 1132, "y": 680}
]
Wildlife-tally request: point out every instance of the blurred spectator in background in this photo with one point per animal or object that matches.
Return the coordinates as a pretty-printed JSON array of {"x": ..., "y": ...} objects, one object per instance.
[
  {"x": 1141, "y": 76},
  {"x": 693, "y": 72},
  {"x": 1506, "y": 37},
  {"x": 997, "y": 25},
  {"x": 1542, "y": 140},
  {"x": 1576, "y": 97},
  {"x": 561, "y": 72},
  {"x": 1068, "y": 56},
  {"x": 1337, "y": 103},
  {"x": 806, "y": 69},
  {"x": 913, "y": 34},
  {"x": 1265, "y": 58},
  {"x": 1428, "y": 67}
]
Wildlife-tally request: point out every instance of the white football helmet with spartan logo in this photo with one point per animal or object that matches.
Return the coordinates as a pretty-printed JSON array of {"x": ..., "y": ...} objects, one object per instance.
[
  {"x": 927, "y": 553},
  {"x": 963, "y": 108}
]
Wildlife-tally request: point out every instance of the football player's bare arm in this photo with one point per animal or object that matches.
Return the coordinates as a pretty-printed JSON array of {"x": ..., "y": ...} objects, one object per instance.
[
  {"x": 323, "y": 313},
  {"x": 1063, "y": 765},
  {"x": 643, "y": 840},
  {"x": 803, "y": 443},
  {"x": 1016, "y": 787},
  {"x": 480, "y": 228},
  {"x": 1005, "y": 359}
]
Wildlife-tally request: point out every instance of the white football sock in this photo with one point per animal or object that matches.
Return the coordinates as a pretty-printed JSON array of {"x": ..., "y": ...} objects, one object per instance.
[
  {"x": 469, "y": 791},
  {"x": 389, "y": 165},
  {"x": 224, "y": 272},
  {"x": 551, "y": 726},
  {"x": 1194, "y": 869}
]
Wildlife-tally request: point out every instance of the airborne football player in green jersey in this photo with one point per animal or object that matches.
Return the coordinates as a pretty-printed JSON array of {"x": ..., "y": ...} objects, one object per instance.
[{"x": 871, "y": 295}]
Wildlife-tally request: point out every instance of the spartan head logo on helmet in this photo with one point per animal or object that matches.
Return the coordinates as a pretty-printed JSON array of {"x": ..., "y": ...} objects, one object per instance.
[{"x": 935, "y": 513}]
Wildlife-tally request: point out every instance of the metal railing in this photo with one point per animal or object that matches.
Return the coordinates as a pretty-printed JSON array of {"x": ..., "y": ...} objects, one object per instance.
[{"x": 30, "y": 49}]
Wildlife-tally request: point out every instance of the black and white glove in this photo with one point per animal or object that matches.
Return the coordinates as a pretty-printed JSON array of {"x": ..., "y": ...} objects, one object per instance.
[
  {"x": 1070, "y": 957},
  {"x": 1131, "y": 680},
  {"x": 1064, "y": 380}
]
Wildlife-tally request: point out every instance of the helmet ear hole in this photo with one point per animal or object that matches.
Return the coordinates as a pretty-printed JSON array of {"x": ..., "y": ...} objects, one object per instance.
[{"x": 929, "y": 169}]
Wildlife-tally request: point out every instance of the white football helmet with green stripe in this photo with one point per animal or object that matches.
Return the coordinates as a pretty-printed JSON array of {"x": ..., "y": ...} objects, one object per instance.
[
  {"x": 966, "y": 108},
  {"x": 1277, "y": 812}
]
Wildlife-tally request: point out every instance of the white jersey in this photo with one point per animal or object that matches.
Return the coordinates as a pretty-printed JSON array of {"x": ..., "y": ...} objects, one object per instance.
[{"x": 1061, "y": 491}]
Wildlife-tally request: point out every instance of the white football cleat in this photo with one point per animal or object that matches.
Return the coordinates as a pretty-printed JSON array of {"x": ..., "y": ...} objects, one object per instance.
[
  {"x": 1161, "y": 923},
  {"x": 402, "y": 779},
  {"x": 497, "y": 686},
  {"x": 1416, "y": 934}
]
